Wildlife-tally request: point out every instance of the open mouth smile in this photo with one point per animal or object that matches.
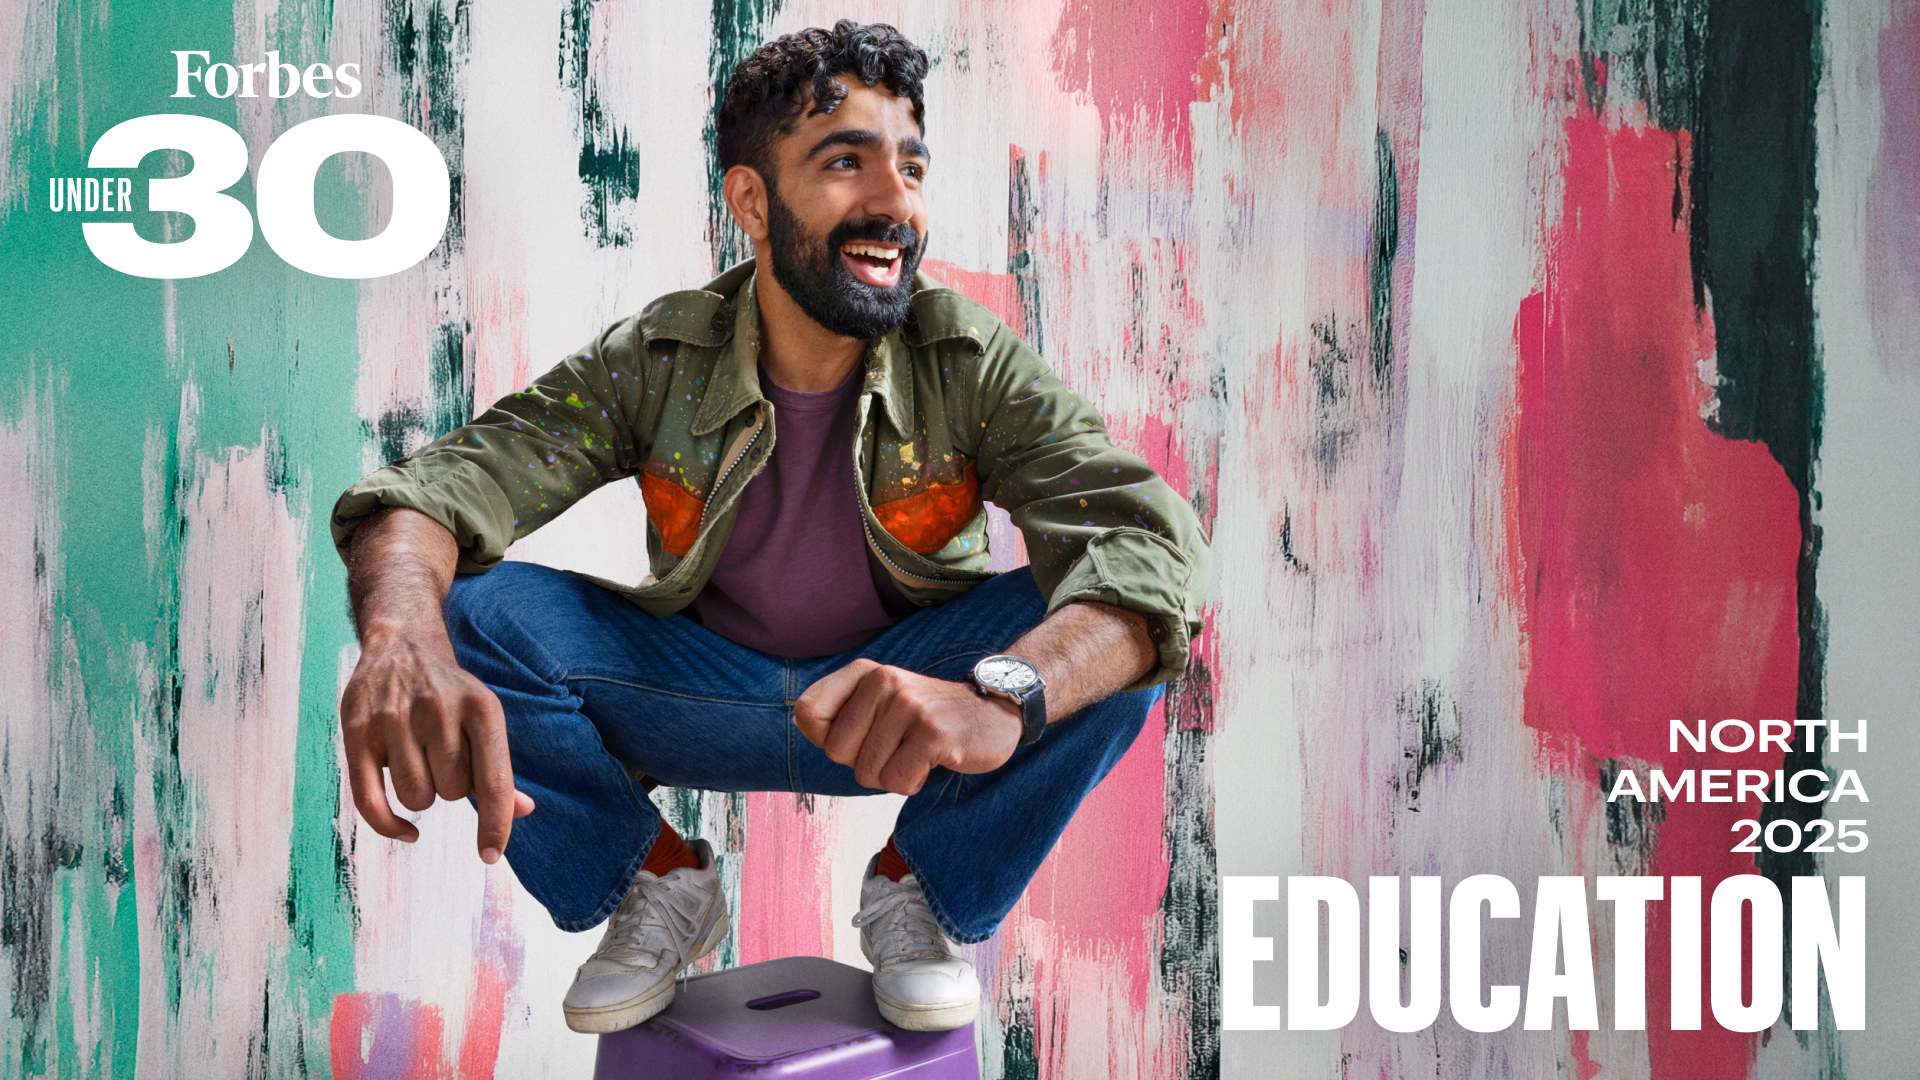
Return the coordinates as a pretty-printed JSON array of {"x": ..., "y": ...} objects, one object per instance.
[{"x": 874, "y": 263}]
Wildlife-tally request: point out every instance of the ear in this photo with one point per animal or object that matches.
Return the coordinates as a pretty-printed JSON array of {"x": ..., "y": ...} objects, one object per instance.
[{"x": 746, "y": 196}]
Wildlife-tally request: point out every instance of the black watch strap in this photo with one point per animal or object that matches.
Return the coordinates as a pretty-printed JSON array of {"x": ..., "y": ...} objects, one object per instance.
[{"x": 1033, "y": 713}]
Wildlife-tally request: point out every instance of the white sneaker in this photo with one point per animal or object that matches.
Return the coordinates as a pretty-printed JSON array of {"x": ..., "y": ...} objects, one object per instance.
[
  {"x": 662, "y": 925},
  {"x": 919, "y": 982}
]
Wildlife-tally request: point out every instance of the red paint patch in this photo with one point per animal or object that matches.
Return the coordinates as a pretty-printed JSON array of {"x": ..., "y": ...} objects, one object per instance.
[
  {"x": 1659, "y": 558},
  {"x": 927, "y": 521},
  {"x": 674, "y": 511}
]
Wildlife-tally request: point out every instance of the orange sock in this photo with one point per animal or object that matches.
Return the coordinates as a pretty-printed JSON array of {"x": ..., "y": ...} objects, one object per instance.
[
  {"x": 892, "y": 866},
  {"x": 669, "y": 853}
]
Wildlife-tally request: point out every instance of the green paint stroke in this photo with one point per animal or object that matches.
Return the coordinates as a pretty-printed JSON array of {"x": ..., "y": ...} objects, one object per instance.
[{"x": 719, "y": 817}]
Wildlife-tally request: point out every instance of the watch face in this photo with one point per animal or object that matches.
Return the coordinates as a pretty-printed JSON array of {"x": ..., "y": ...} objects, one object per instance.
[{"x": 1005, "y": 673}]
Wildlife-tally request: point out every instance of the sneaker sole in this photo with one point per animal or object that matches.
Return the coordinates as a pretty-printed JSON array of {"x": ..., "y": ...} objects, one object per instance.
[
  {"x": 608, "y": 1019},
  {"x": 944, "y": 1017}
]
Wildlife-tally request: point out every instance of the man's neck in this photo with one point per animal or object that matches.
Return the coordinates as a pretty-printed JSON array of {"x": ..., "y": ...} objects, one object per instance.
[{"x": 799, "y": 353}]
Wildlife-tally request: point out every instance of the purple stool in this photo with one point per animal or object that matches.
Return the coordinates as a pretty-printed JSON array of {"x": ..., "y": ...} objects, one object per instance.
[{"x": 796, "y": 1017}]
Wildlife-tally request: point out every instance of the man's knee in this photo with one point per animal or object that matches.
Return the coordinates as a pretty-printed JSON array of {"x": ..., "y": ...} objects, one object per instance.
[
  {"x": 1120, "y": 718},
  {"x": 472, "y": 600},
  {"x": 490, "y": 606}
]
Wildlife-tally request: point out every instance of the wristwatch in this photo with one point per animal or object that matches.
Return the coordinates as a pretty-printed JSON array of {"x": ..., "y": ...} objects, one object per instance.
[{"x": 1021, "y": 681}]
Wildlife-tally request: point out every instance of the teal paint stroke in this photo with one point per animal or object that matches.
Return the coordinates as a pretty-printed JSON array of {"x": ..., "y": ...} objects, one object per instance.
[{"x": 96, "y": 366}]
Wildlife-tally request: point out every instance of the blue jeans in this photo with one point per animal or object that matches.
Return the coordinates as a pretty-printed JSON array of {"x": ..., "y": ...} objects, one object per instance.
[{"x": 592, "y": 685}]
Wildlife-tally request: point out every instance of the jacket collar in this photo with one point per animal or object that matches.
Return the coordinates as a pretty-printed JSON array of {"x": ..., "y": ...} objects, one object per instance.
[
  {"x": 735, "y": 382},
  {"x": 736, "y": 373}
]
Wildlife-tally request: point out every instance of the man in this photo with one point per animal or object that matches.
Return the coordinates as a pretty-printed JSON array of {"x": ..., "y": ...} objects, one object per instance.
[{"x": 814, "y": 433}]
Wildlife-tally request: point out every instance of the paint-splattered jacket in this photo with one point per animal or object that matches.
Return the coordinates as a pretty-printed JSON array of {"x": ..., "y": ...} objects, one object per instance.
[{"x": 955, "y": 409}]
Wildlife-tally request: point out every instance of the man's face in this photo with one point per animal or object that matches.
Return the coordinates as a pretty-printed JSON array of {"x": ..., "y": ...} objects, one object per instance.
[{"x": 845, "y": 222}]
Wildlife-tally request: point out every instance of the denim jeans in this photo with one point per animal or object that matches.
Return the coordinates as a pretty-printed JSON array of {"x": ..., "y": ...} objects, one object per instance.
[{"x": 592, "y": 685}]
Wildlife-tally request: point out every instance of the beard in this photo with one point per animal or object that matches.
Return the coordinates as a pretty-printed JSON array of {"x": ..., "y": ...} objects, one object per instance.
[{"x": 812, "y": 272}]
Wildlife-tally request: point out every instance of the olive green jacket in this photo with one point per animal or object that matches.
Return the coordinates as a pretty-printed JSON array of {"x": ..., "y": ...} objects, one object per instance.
[{"x": 955, "y": 409}]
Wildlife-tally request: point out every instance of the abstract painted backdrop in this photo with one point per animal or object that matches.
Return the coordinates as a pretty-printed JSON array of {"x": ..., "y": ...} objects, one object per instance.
[{"x": 1543, "y": 369}]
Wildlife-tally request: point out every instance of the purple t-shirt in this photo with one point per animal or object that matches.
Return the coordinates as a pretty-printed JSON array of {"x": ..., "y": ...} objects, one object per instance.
[{"x": 796, "y": 577}]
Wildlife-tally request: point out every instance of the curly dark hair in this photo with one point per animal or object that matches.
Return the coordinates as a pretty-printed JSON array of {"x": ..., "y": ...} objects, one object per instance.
[{"x": 768, "y": 89}]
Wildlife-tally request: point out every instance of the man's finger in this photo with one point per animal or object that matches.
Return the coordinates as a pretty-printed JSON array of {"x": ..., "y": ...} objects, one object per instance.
[
  {"x": 370, "y": 797},
  {"x": 814, "y": 711},
  {"x": 493, "y": 793},
  {"x": 856, "y": 716},
  {"x": 445, "y": 745},
  {"x": 892, "y": 714},
  {"x": 412, "y": 783},
  {"x": 906, "y": 770}
]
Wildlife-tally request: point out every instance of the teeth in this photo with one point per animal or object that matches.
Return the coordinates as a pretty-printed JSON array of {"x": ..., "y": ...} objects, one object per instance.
[{"x": 871, "y": 250}]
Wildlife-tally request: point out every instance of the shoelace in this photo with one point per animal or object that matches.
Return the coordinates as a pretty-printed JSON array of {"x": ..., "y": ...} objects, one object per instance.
[
  {"x": 906, "y": 930},
  {"x": 641, "y": 934}
]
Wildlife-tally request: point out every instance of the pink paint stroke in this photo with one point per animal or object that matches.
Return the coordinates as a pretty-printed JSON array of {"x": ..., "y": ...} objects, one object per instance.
[
  {"x": 786, "y": 882},
  {"x": 1659, "y": 557}
]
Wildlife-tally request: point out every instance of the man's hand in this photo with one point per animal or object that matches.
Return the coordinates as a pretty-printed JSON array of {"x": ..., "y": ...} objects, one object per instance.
[
  {"x": 893, "y": 727},
  {"x": 437, "y": 730},
  {"x": 409, "y": 709}
]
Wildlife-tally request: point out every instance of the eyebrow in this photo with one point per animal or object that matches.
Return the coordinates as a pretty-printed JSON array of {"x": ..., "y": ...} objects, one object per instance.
[{"x": 861, "y": 138}]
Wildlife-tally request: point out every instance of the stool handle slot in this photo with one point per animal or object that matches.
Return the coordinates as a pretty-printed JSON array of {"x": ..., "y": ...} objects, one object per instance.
[{"x": 782, "y": 999}]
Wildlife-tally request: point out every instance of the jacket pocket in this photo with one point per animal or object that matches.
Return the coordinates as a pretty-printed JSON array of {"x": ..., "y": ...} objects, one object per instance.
[{"x": 926, "y": 521}]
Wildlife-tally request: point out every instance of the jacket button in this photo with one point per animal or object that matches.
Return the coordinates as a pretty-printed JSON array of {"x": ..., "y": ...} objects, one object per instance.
[{"x": 719, "y": 320}]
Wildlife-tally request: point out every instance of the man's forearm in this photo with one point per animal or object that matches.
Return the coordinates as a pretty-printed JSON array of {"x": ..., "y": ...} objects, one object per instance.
[
  {"x": 1086, "y": 651},
  {"x": 398, "y": 572}
]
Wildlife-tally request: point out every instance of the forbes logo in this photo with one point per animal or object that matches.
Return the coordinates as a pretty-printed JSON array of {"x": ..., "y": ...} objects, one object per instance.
[{"x": 270, "y": 75}]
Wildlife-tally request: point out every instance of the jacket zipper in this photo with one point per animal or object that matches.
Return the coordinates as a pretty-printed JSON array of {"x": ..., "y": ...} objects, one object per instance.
[{"x": 728, "y": 471}]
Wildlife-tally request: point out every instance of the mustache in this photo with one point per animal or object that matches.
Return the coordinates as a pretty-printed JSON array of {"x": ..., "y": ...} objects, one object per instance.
[{"x": 875, "y": 230}]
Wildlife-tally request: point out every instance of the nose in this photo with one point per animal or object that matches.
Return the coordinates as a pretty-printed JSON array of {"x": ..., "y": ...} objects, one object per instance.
[{"x": 889, "y": 198}]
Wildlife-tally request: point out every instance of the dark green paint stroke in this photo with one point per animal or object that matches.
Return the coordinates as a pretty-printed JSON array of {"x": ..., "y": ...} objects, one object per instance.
[
  {"x": 609, "y": 160},
  {"x": 1754, "y": 223},
  {"x": 1743, "y": 77},
  {"x": 1644, "y": 51},
  {"x": 1019, "y": 1053},
  {"x": 1189, "y": 954},
  {"x": 739, "y": 27},
  {"x": 1386, "y": 247},
  {"x": 721, "y": 818},
  {"x": 1633, "y": 826},
  {"x": 1023, "y": 217},
  {"x": 428, "y": 42}
]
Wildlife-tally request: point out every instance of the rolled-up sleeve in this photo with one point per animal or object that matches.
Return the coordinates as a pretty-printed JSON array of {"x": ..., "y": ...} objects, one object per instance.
[
  {"x": 1099, "y": 523},
  {"x": 522, "y": 462},
  {"x": 451, "y": 490}
]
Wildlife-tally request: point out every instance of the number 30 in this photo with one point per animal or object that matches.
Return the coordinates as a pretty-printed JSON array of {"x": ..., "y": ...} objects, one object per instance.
[{"x": 222, "y": 229}]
